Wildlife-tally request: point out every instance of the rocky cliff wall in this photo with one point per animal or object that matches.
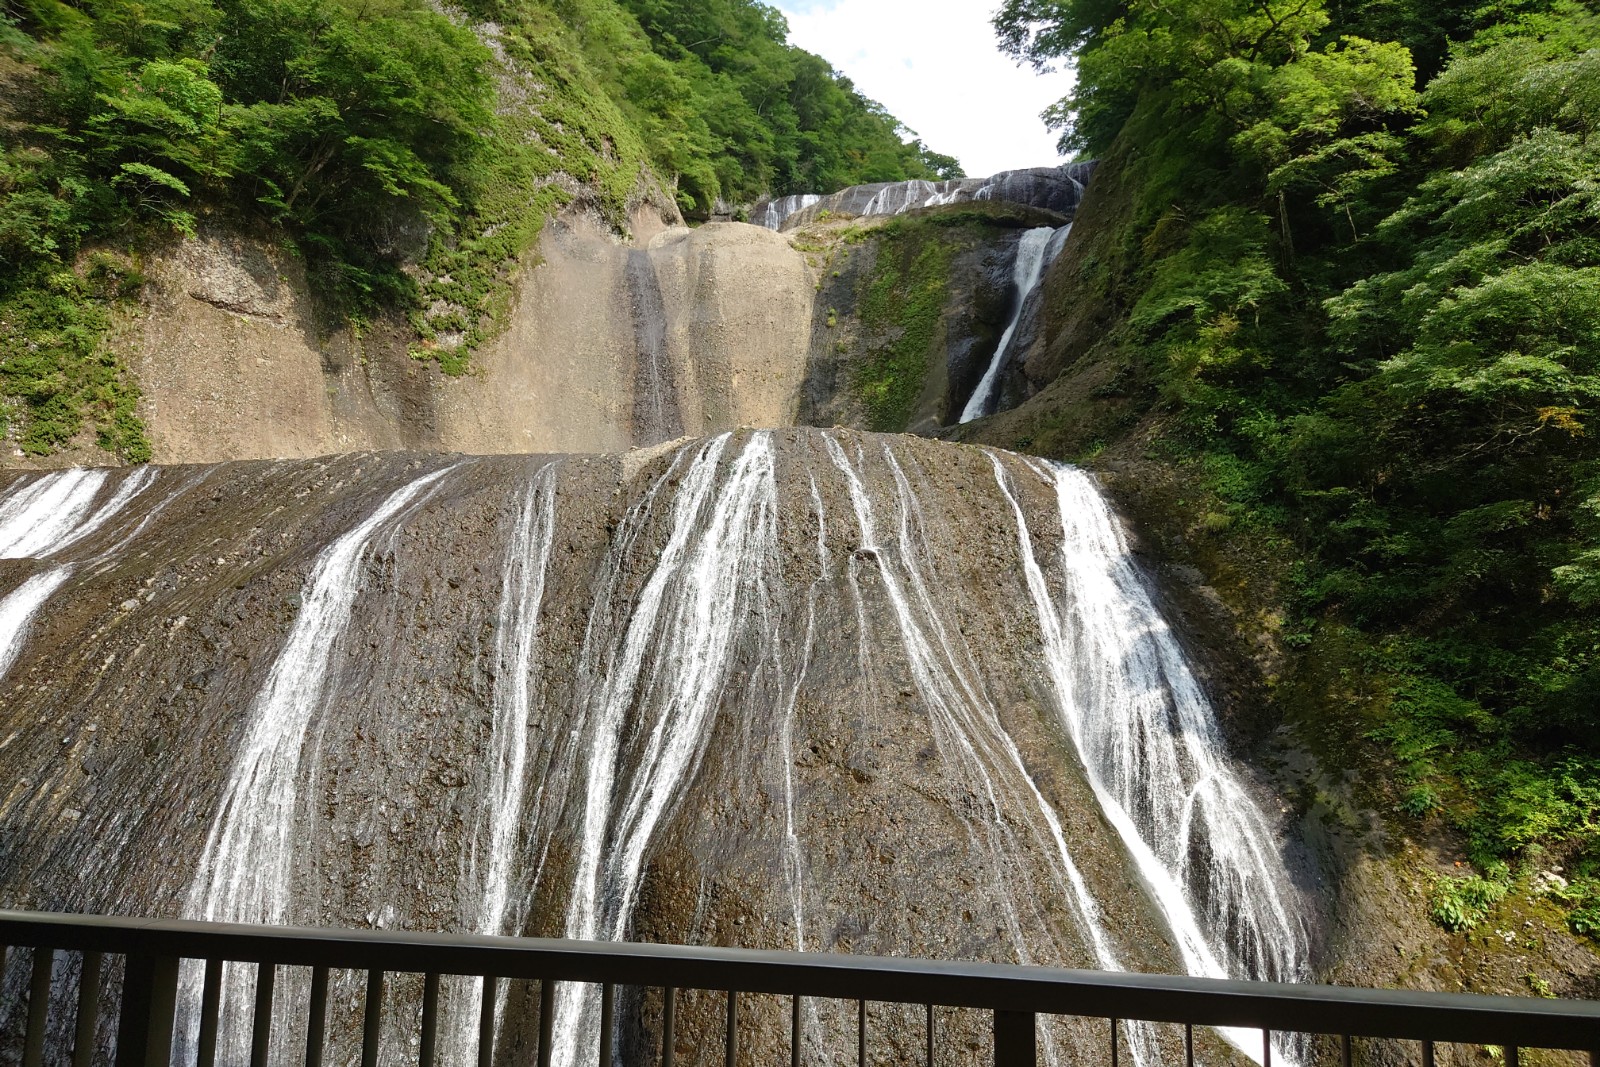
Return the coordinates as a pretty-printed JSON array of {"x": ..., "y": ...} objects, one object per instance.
[{"x": 711, "y": 324}]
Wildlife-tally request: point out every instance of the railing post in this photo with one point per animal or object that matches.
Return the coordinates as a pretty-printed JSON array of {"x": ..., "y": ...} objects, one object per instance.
[
  {"x": 429, "y": 1039},
  {"x": 372, "y": 1019},
  {"x": 486, "y": 1021},
  {"x": 149, "y": 996},
  {"x": 669, "y": 1041},
  {"x": 261, "y": 1020},
  {"x": 210, "y": 1008},
  {"x": 38, "y": 1006},
  {"x": 1015, "y": 1044},
  {"x": 88, "y": 1010}
]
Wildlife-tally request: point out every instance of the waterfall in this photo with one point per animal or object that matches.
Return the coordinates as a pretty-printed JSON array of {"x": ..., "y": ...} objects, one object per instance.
[
  {"x": 1151, "y": 749},
  {"x": 863, "y": 693},
  {"x": 50, "y": 514},
  {"x": 773, "y": 213},
  {"x": 1034, "y": 253},
  {"x": 656, "y": 416},
  {"x": 667, "y": 663},
  {"x": 968, "y": 726},
  {"x": 37, "y": 517},
  {"x": 1056, "y": 189},
  {"x": 245, "y": 871},
  {"x": 516, "y": 671},
  {"x": 18, "y": 608}
]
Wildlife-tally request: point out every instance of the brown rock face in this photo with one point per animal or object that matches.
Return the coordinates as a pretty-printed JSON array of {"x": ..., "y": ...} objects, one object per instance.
[{"x": 712, "y": 324}]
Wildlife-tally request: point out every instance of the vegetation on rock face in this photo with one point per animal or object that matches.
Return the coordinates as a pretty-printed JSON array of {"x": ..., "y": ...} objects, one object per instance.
[
  {"x": 1362, "y": 273},
  {"x": 901, "y": 302},
  {"x": 410, "y": 153}
]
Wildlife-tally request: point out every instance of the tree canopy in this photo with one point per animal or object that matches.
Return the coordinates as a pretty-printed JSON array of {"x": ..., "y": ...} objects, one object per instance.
[{"x": 1363, "y": 272}]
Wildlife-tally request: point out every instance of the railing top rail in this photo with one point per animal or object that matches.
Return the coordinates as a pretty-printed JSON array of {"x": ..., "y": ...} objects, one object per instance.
[{"x": 1389, "y": 1013}]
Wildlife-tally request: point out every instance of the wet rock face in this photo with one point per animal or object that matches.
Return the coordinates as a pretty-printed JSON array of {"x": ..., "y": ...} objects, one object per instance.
[{"x": 776, "y": 689}]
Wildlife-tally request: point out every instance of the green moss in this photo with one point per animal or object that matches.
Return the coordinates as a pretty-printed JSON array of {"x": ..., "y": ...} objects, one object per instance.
[
  {"x": 56, "y": 370},
  {"x": 900, "y": 305}
]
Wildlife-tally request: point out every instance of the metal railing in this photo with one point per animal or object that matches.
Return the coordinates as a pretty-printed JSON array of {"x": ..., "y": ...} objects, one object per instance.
[{"x": 1016, "y": 995}]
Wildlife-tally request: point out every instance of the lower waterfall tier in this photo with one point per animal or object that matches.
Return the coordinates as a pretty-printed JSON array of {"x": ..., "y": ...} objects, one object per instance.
[{"x": 798, "y": 689}]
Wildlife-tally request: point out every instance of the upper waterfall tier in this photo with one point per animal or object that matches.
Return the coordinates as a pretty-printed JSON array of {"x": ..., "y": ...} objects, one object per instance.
[
  {"x": 1057, "y": 189},
  {"x": 828, "y": 690}
]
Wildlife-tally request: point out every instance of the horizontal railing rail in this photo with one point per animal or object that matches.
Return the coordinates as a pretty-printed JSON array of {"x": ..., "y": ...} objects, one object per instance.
[{"x": 1016, "y": 994}]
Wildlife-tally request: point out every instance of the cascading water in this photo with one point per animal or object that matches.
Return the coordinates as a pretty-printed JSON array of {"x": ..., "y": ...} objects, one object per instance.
[
  {"x": 967, "y": 726},
  {"x": 42, "y": 520},
  {"x": 656, "y": 416},
  {"x": 1055, "y": 189},
  {"x": 773, "y": 213},
  {"x": 673, "y": 654},
  {"x": 18, "y": 609},
  {"x": 244, "y": 873},
  {"x": 802, "y": 679},
  {"x": 1034, "y": 252},
  {"x": 1151, "y": 748}
]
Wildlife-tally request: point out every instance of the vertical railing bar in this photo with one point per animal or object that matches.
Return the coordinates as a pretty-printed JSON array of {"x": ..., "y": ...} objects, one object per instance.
[
  {"x": 210, "y": 1007},
  {"x": 608, "y": 1001},
  {"x": 83, "y": 1043},
  {"x": 930, "y": 1035},
  {"x": 794, "y": 1031},
  {"x": 316, "y": 1016},
  {"x": 372, "y": 1019},
  {"x": 261, "y": 1024},
  {"x": 486, "y": 1022},
  {"x": 733, "y": 1028},
  {"x": 861, "y": 1033},
  {"x": 547, "y": 1020},
  {"x": 1513, "y": 1054},
  {"x": 1427, "y": 1054},
  {"x": 1344, "y": 1050},
  {"x": 1266, "y": 1048},
  {"x": 38, "y": 1006},
  {"x": 429, "y": 1037},
  {"x": 1113, "y": 1043},
  {"x": 669, "y": 997},
  {"x": 1188, "y": 1044},
  {"x": 163, "y": 1010},
  {"x": 1016, "y": 1038}
]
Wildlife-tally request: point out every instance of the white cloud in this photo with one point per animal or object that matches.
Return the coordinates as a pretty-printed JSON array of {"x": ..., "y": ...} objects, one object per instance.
[{"x": 936, "y": 66}]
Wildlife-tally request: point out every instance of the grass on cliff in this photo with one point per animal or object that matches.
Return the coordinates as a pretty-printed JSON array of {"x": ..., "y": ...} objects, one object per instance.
[
  {"x": 571, "y": 139},
  {"x": 900, "y": 305},
  {"x": 56, "y": 371}
]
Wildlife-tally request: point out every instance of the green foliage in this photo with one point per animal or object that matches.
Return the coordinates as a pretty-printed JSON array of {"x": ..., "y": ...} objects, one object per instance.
[
  {"x": 734, "y": 111},
  {"x": 1462, "y": 903},
  {"x": 54, "y": 365},
  {"x": 411, "y": 158},
  {"x": 1361, "y": 268}
]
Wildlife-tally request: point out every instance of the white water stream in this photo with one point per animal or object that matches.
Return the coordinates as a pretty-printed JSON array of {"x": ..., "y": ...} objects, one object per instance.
[
  {"x": 41, "y": 520},
  {"x": 699, "y": 637},
  {"x": 244, "y": 873},
  {"x": 668, "y": 665},
  {"x": 1152, "y": 753},
  {"x": 1034, "y": 252}
]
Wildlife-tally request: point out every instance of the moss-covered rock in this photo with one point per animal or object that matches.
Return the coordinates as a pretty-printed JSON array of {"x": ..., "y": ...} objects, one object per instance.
[{"x": 909, "y": 312}]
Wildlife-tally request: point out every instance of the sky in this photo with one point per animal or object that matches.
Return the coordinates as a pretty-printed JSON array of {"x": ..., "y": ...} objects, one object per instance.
[{"x": 935, "y": 65}]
